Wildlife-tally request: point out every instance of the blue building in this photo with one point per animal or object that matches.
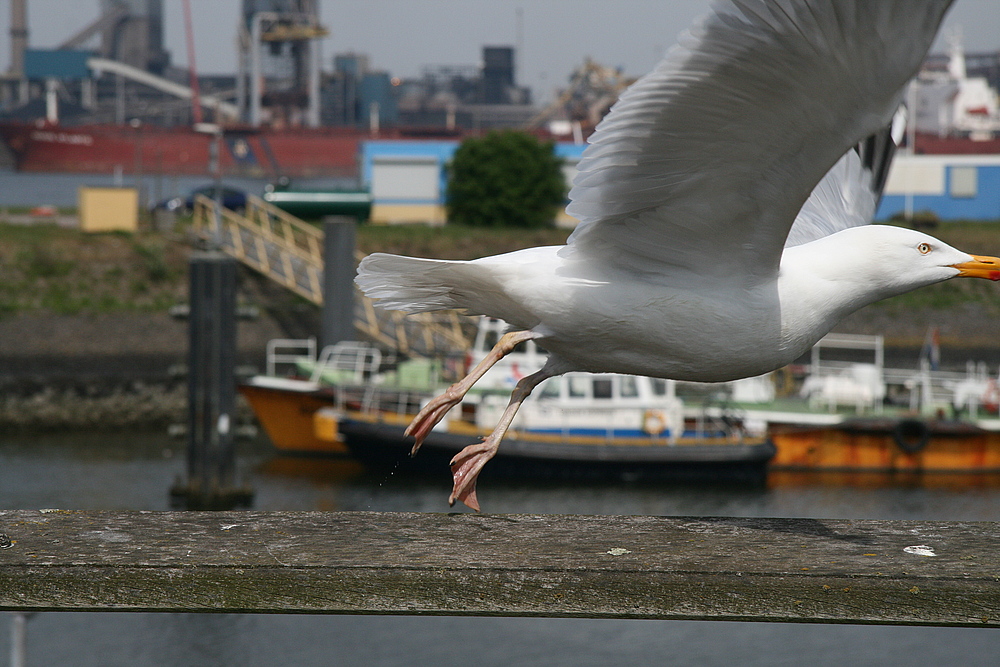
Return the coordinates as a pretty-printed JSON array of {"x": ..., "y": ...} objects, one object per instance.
[
  {"x": 953, "y": 187},
  {"x": 408, "y": 179}
]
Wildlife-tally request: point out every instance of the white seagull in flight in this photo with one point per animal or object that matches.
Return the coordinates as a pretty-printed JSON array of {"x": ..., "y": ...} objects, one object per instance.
[{"x": 724, "y": 205}]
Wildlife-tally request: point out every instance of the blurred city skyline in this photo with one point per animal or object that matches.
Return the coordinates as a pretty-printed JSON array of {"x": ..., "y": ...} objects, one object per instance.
[{"x": 552, "y": 37}]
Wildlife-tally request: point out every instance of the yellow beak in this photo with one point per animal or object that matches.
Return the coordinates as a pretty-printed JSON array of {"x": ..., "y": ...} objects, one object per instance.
[{"x": 980, "y": 267}]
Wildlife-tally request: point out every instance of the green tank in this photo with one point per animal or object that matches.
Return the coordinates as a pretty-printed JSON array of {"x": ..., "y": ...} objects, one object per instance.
[{"x": 315, "y": 204}]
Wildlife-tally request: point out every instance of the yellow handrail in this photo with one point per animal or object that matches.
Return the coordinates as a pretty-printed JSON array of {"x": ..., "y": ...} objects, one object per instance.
[{"x": 290, "y": 252}]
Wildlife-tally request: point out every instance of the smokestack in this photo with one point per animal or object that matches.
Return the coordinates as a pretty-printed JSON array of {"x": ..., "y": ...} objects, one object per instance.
[{"x": 18, "y": 36}]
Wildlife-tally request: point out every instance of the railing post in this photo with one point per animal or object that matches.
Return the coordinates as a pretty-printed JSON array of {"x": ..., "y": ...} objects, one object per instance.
[
  {"x": 19, "y": 639},
  {"x": 338, "y": 279}
]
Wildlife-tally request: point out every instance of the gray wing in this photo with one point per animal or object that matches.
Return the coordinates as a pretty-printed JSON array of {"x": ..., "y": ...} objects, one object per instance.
[
  {"x": 702, "y": 166},
  {"x": 849, "y": 194}
]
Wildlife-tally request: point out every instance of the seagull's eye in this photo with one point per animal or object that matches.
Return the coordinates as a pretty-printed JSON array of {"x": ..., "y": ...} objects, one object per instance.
[{"x": 924, "y": 248}]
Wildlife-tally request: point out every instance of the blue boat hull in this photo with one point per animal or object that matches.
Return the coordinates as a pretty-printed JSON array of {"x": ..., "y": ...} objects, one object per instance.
[{"x": 383, "y": 446}]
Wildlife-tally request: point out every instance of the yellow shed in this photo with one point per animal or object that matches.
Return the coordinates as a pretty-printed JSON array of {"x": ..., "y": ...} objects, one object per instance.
[{"x": 108, "y": 209}]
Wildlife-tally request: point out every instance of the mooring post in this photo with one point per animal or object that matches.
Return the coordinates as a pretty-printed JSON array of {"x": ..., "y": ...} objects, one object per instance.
[
  {"x": 211, "y": 385},
  {"x": 338, "y": 279}
]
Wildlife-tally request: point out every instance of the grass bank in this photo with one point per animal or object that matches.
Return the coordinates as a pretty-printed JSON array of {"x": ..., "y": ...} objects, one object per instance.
[
  {"x": 44, "y": 268},
  {"x": 65, "y": 271}
]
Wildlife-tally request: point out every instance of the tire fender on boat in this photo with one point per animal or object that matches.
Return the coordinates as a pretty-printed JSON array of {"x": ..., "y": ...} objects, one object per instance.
[
  {"x": 911, "y": 435},
  {"x": 654, "y": 422}
]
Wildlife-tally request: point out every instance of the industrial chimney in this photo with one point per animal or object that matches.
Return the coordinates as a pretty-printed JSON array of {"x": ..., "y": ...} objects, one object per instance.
[{"x": 18, "y": 37}]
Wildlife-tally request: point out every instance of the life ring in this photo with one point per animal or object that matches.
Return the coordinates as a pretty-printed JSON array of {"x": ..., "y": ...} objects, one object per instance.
[
  {"x": 653, "y": 422},
  {"x": 911, "y": 435}
]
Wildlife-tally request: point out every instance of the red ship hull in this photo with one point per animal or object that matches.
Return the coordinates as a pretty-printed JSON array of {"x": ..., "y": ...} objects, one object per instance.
[
  {"x": 301, "y": 152},
  {"x": 932, "y": 144}
]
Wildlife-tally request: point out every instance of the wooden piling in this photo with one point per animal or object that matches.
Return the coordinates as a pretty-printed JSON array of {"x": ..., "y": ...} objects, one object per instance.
[
  {"x": 338, "y": 279},
  {"x": 787, "y": 570},
  {"x": 211, "y": 453}
]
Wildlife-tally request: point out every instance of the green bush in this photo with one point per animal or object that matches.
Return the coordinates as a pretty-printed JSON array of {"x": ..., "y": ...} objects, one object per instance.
[{"x": 505, "y": 179}]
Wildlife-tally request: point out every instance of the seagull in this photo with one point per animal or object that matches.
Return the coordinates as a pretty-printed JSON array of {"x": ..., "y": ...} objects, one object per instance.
[{"x": 724, "y": 205}]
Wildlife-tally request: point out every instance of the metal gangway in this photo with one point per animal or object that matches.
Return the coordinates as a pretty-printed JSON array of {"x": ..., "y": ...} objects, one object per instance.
[{"x": 289, "y": 251}]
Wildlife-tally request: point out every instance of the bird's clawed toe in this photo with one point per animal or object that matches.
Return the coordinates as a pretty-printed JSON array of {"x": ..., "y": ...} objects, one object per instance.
[{"x": 465, "y": 468}]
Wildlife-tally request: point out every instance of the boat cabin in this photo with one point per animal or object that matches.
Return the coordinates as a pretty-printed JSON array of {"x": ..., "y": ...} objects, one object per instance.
[{"x": 616, "y": 406}]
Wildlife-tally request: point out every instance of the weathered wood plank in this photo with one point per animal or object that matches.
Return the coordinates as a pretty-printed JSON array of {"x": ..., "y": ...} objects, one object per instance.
[{"x": 503, "y": 565}]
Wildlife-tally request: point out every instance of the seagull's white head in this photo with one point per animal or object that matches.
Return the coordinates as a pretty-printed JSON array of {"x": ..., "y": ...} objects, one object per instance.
[
  {"x": 901, "y": 258},
  {"x": 909, "y": 259},
  {"x": 861, "y": 265}
]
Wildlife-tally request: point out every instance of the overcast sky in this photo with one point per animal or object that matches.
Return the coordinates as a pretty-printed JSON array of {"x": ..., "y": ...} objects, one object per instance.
[{"x": 403, "y": 36}]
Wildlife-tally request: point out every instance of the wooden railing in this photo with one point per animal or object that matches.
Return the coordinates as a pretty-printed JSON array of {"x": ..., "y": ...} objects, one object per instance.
[
  {"x": 744, "y": 569},
  {"x": 290, "y": 252}
]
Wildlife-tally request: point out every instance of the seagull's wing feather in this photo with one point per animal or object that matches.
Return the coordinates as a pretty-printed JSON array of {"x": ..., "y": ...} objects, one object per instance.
[
  {"x": 702, "y": 166},
  {"x": 850, "y": 192}
]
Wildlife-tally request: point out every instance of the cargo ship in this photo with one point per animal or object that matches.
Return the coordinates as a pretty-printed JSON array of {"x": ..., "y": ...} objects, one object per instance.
[
  {"x": 261, "y": 152},
  {"x": 933, "y": 144},
  {"x": 301, "y": 152}
]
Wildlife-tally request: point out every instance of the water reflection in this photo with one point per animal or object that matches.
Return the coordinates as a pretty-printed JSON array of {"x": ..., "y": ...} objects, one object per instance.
[
  {"x": 135, "y": 471},
  {"x": 788, "y": 494},
  {"x": 950, "y": 481}
]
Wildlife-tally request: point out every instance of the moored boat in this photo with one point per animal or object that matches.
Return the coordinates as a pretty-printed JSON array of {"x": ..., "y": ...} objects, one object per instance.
[
  {"x": 577, "y": 425},
  {"x": 864, "y": 417},
  {"x": 340, "y": 376},
  {"x": 524, "y": 454},
  {"x": 285, "y": 409},
  {"x": 580, "y": 426},
  {"x": 901, "y": 444}
]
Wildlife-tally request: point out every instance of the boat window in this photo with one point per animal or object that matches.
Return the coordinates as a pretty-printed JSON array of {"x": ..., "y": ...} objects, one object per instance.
[
  {"x": 550, "y": 388},
  {"x": 659, "y": 386},
  {"x": 602, "y": 388},
  {"x": 628, "y": 387},
  {"x": 577, "y": 387}
]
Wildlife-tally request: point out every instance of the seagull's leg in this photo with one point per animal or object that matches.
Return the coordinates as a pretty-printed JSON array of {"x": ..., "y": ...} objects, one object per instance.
[
  {"x": 438, "y": 407},
  {"x": 467, "y": 463}
]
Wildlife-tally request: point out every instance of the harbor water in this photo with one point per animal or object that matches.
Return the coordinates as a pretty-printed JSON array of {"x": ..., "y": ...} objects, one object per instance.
[{"x": 133, "y": 471}]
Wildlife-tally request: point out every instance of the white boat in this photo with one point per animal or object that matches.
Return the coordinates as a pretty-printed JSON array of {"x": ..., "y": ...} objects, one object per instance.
[{"x": 579, "y": 425}]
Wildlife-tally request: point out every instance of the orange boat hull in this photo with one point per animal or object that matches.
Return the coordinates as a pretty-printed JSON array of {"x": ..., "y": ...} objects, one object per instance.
[
  {"x": 289, "y": 419},
  {"x": 887, "y": 446}
]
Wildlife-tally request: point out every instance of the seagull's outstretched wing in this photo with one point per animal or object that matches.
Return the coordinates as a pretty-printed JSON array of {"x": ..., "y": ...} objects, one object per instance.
[
  {"x": 850, "y": 192},
  {"x": 702, "y": 166}
]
